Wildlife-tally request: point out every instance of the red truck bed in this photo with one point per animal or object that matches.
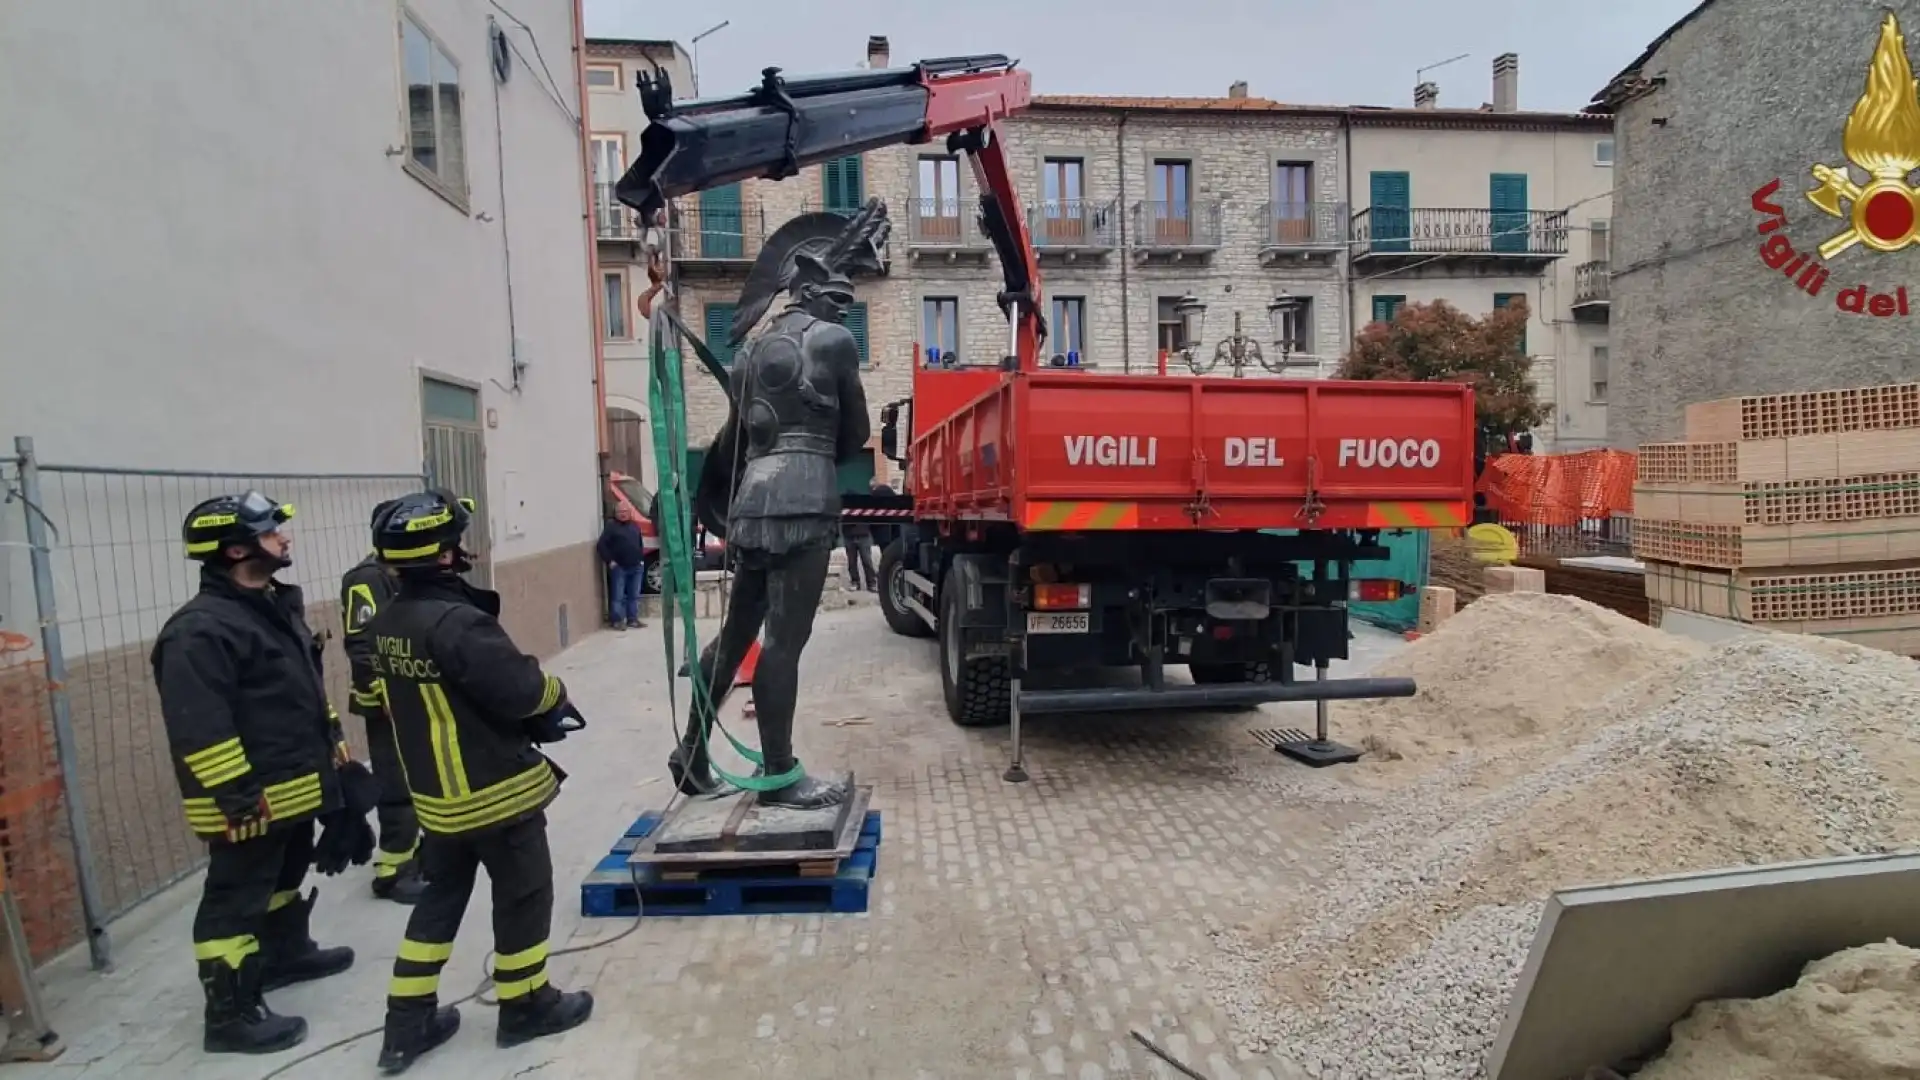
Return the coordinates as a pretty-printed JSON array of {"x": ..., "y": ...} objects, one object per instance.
[{"x": 1078, "y": 451}]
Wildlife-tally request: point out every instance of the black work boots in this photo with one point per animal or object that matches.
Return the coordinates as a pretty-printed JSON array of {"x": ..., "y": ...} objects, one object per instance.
[
  {"x": 418, "y": 1026},
  {"x": 238, "y": 1020},
  {"x": 290, "y": 953},
  {"x": 404, "y": 887},
  {"x": 546, "y": 1011},
  {"x": 411, "y": 1032}
]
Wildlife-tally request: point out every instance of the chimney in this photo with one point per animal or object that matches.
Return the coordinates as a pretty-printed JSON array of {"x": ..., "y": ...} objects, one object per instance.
[
  {"x": 1426, "y": 96},
  {"x": 877, "y": 52},
  {"x": 1238, "y": 89},
  {"x": 1506, "y": 82}
]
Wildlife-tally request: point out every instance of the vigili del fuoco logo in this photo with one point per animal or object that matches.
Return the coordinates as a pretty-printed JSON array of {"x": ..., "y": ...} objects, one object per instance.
[{"x": 1882, "y": 139}]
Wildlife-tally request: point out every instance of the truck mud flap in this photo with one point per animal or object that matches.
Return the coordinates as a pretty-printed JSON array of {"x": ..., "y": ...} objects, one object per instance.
[{"x": 1209, "y": 697}]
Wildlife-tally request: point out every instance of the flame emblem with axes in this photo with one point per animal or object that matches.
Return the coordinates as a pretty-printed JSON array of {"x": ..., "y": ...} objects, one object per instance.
[{"x": 1882, "y": 139}]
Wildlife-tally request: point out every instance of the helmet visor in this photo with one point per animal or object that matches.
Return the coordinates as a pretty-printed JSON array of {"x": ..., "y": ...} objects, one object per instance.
[{"x": 264, "y": 514}]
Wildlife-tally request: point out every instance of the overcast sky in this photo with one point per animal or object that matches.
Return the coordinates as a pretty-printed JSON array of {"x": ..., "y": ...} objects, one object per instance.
[{"x": 1331, "y": 52}]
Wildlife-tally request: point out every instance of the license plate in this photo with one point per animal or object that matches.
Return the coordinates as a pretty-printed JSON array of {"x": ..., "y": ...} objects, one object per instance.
[{"x": 1058, "y": 622}]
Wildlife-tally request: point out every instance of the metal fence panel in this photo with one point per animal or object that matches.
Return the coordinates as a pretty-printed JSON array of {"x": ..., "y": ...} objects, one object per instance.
[{"x": 118, "y": 572}]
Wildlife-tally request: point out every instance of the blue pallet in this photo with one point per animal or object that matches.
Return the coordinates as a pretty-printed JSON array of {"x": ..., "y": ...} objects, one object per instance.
[{"x": 610, "y": 890}]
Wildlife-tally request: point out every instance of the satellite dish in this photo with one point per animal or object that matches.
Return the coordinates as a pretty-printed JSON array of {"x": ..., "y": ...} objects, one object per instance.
[{"x": 497, "y": 49}]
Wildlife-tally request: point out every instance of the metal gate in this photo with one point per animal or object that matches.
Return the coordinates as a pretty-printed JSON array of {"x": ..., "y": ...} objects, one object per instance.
[{"x": 455, "y": 457}]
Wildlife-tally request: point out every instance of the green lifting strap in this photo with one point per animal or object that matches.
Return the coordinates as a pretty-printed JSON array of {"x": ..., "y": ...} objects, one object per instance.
[{"x": 667, "y": 401}]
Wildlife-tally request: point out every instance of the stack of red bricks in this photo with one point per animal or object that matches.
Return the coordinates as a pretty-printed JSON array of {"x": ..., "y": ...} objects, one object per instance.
[{"x": 1796, "y": 512}]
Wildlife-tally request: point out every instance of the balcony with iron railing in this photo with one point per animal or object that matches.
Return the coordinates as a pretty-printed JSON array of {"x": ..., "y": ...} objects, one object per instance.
[
  {"x": 1074, "y": 226},
  {"x": 1592, "y": 289},
  {"x": 718, "y": 236},
  {"x": 945, "y": 226},
  {"x": 1177, "y": 229},
  {"x": 1401, "y": 236},
  {"x": 1300, "y": 230},
  {"x": 613, "y": 220}
]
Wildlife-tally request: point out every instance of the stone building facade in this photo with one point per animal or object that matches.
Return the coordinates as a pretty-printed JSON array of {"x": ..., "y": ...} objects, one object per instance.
[
  {"x": 1738, "y": 95},
  {"x": 1136, "y": 202}
]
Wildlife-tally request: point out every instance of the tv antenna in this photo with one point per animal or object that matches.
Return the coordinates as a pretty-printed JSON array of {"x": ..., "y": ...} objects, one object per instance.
[{"x": 1420, "y": 74}]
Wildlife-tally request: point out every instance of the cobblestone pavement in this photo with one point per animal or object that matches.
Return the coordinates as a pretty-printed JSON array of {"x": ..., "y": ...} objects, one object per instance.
[{"x": 1017, "y": 931}]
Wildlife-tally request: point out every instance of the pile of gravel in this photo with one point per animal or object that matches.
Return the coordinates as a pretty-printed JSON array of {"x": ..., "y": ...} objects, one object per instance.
[{"x": 1399, "y": 960}]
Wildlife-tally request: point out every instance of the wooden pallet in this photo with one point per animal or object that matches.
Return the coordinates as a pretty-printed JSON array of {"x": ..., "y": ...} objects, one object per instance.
[{"x": 619, "y": 887}]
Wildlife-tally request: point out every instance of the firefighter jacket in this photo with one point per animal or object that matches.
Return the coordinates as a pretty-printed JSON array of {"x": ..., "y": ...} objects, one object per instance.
[
  {"x": 245, "y": 707},
  {"x": 459, "y": 693},
  {"x": 364, "y": 590}
]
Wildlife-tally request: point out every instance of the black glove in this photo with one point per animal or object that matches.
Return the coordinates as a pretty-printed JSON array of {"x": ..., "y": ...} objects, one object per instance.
[
  {"x": 345, "y": 836},
  {"x": 246, "y": 812},
  {"x": 554, "y": 724}
]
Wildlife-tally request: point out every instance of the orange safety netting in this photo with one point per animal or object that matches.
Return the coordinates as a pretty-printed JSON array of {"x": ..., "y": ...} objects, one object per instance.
[
  {"x": 36, "y": 861},
  {"x": 1560, "y": 489}
]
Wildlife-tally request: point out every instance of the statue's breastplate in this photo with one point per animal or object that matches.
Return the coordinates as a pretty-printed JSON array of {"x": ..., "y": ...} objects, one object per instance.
[{"x": 789, "y": 404}]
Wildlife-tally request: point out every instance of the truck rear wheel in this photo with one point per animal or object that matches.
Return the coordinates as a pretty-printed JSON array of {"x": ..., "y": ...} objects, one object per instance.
[
  {"x": 894, "y": 591},
  {"x": 979, "y": 691},
  {"x": 1253, "y": 671}
]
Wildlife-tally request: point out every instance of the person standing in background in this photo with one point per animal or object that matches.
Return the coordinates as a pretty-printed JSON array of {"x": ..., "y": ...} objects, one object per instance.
[
  {"x": 624, "y": 553},
  {"x": 857, "y": 537}
]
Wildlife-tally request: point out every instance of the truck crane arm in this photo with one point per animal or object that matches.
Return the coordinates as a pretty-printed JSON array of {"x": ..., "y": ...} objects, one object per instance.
[{"x": 786, "y": 124}]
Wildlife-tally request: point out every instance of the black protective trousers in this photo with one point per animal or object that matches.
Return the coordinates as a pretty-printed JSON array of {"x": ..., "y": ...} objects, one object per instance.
[
  {"x": 245, "y": 880},
  {"x": 399, "y": 827},
  {"x": 520, "y": 866},
  {"x": 775, "y": 598}
]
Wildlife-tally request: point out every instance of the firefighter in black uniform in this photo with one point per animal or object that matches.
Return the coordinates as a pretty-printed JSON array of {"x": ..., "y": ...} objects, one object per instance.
[
  {"x": 255, "y": 747},
  {"x": 468, "y": 708},
  {"x": 363, "y": 591}
]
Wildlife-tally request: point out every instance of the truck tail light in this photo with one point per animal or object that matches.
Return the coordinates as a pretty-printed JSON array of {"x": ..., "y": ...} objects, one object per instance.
[
  {"x": 1053, "y": 597},
  {"x": 1376, "y": 590}
]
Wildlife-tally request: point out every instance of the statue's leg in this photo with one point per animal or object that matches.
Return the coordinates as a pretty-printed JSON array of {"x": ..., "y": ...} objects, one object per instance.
[
  {"x": 746, "y": 609},
  {"x": 793, "y": 599}
]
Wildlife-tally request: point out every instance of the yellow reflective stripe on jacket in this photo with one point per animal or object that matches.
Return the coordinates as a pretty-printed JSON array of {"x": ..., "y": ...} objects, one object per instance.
[
  {"x": 549, "y": 696},
  {"x": 509, "y": 798},
  {"x": 291, "y": 798},
  {"x": 204, "y": 816},
  {"x": 444, "y": 736},
  {"x": 369, "y": 699},
  {"x": 217, "y": 764}
]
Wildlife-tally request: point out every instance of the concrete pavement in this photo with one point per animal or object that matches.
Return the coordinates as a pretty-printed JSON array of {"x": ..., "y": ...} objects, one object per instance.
[{"x": 1017, "y": 931}]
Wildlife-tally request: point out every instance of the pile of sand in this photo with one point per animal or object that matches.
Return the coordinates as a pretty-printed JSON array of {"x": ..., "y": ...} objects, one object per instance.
[
  {"x": 1762, "y": 750},
  {"x": 1512, "y": 667},
  {"x": 1852, "y": 1016}
]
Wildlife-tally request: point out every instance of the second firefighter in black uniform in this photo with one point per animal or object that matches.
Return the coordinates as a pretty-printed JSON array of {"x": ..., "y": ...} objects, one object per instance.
[
  {"x": 364, "y": 590},
  {"x": 468, "y": 710},
  {"x": 256, "y": 749}
]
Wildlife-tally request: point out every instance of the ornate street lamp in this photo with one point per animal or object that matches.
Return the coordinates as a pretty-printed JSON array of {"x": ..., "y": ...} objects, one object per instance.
[{"x": 1284, "y": 314}]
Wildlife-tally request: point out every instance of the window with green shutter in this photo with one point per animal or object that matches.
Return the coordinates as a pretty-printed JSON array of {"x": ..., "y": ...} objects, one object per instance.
[
  {"x": 719, "y": 331},
  {"x": 856, "y": 324},
  {"x": 843, "y": 184},
  {"x": 1501, "y": 300},
  {"x": 1386, "y": 307},
  {"x": 1390, "y": 202},
  {"x": 1507, "y": 212}
]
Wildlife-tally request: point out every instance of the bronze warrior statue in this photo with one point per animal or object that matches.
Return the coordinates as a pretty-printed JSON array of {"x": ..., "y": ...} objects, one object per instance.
[{"x": 769, "y": 484}]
